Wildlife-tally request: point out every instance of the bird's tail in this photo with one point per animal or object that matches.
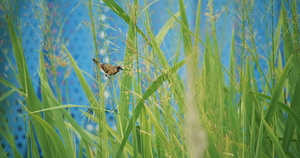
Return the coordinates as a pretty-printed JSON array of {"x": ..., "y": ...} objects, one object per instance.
[{"x": 95, "y": 61}]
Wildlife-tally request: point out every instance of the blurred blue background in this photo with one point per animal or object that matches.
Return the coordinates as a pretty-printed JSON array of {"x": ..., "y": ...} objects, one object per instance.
[{"x": 71, "y": 19}]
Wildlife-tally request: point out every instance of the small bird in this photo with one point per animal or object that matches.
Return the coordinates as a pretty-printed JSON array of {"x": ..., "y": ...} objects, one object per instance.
[{"x": 108, "y": 69}]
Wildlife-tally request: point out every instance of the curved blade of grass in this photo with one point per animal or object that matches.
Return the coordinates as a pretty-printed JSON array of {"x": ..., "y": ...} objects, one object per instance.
[
  {"x": 88, "y": 92},
  {"x": 291, "y": 43},
  {"x": 277, "y": 34},
  {"x": 122, "y": 14},
  {"x": 48, "y": 102},
  {"x": 187, "y": 40},
  {"x": 127, "y": 147},
  {"x": 78, "y": 128},
  {"x": 31, "y": 100},
  {"x": 253, "y": 133},
  {"x": 50, "y": 131},
  {"x": 6, "y": 94},
  {"x": 153, "y": 87},
  {"x": 58, "y": 122},
  {"x": 188, "y": 46},
  {"x": 48, "y": 116},
  {"x": 145, "y": 136},
  {"x": 277, "y": 90},
  {"x": 8, "y": 137},
  {"x": 157, "y": 128},
  {"x": 260, "y": 139},
  {"x": 212, "y": 147},
  {"x": 187, "y": 29},
  {"x": 284, "y": 107},
  {"x": 274, "y": 139},
  {"x": 11, "y": 66},
  {"x": 126, "y": 82},
  {"x": 247, "y": 103},
  {"x": 232, "y": 94},
  {"x": 290, "y": 124},
  {"x": 288, "y": 46},
  {"x": 59, "y": 107},
  {"x": 295, "y": 31},
  {"x": 6, "y": 83},
  {"x": 2, "y": 152},
  {"x": 162, "y": 59},
  {"x": 197, "y": 27},
  {"x": 178, "y": 49},
  {"x": 164, "y": 30},
  {"x": 255, "y": 54},
  {"x": 165, "y": 65},
  {"x": 63, "y": 111},
  {"x": 88, "y": 150},
  {"x": 12, "y": 144}
]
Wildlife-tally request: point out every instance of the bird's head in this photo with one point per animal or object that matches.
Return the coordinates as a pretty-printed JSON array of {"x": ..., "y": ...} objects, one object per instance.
[{"x": 119, "y": 68}]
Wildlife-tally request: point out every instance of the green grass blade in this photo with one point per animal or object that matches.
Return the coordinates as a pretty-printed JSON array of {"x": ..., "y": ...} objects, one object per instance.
[
  {"x": 277, "y": 34},
  {"x": 274, "y": 139},
  {"x": 33, "y": 144},
  {"x": 162, "y": 59},
  {"x": 187, "y": 44},
  {"x": 6, "y": 83},
  {"x": 252, "y": 133},
  {"x": 178, "y": 92},
  {"x": 187, "y": 29},
  {"x": 154, "y": 86},
  {"x": 277, "y": 90},
  {"x": 187, "y": 40},
  {"x": 122, "y": 14},
  {"x": 2, "y": 152},
  {"x": 212, "y": 147},
  {"x": 232, "y": 115},
  {"x": 283, "y": 107},
  {"x": 259, "y": 140},
  {"x": 290, "y": 49},
  {"x": 59, "y": 107},
  {"x": 88, "y": 150},
  {"x": 88, "y": 92},
  {"x": 47, "y": 115},
  {"x": 255, "y": 54},
  {"x": 50, "y": 131},
  {"x": 127, "y": 147},
  {"x": 290, "y": 123},
  {"x": 30, "y": 97},
  {"x": 164, "y": 30},
  {"x": 7, "y": 94},
  {"x": 157, "y": 128},
  {"x": 296, "y": 31},
  {"x": 8, "y": 137},
  {"x": 56, "y": 105},
  {"x": 126, "y": 83},
  {"x": 197, "y": 27},
  {"x": 145, "y": 135},
  {"x": 247, "y": 104}
]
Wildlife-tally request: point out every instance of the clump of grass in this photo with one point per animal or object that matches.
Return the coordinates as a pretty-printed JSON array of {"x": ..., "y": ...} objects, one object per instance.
[{"x": 170, "y": 118}]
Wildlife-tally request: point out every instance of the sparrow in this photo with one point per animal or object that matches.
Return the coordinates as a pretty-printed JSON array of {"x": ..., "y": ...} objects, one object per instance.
[{"x": 108, "y": 69}]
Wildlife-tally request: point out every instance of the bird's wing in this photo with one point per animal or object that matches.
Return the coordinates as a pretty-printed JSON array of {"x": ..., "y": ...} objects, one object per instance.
[{"x": 105, "y": 67}]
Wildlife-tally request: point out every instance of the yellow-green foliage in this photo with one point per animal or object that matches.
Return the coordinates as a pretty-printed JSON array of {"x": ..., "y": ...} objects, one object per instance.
[{"x": 200, "y": 118}]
